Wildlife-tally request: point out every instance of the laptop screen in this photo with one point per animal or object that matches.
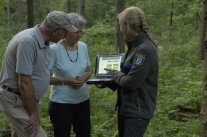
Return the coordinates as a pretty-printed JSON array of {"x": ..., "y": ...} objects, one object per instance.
[{"x": 107, "y": 61}]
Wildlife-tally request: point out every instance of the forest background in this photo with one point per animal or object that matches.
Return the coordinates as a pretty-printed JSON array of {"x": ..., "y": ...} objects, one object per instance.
[{"x": 173, "y": 23}]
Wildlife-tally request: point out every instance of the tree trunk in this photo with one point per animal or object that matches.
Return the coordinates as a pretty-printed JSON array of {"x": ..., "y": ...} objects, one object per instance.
[
  {"x": 20, "y": 14},
  {"x": 30, "y": 20},
  {"x": 171, "y": 19},
  {"x": 203, "y": 113},
  {"x": 203, "y": 53},
  {"x": 203, "y": 31},
  {"x": 82, "y": 7},
  {"x": 8, "y": 12},
  {"x": 68, "y": 6},
  {"x": 120, "y": 43}
]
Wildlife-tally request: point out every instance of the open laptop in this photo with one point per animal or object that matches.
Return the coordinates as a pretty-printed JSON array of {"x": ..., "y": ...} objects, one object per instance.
[{"x": 112, "y": 61}]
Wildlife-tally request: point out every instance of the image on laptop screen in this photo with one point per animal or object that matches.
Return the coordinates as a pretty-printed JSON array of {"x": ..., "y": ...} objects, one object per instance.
[
  {"x": 105, "y": 61},
  {"x": 108, "y": 61}
]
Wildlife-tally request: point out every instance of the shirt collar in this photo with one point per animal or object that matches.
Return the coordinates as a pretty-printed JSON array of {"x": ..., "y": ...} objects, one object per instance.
[{"x": 39, "y": 37}]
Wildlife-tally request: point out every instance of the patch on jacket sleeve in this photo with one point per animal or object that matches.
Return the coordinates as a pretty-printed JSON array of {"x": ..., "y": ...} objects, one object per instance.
[{"x": 139, "y": 59}]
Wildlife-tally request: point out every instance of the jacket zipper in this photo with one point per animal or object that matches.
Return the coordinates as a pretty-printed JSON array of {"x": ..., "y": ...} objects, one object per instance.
[{"x": 139, "y": 108}]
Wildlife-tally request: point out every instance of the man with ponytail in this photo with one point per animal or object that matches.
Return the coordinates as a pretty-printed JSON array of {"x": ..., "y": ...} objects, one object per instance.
[{"x": 137, "y": 82}]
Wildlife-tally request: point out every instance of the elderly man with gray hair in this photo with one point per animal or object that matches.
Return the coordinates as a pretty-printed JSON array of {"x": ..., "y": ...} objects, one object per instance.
[{"x": 24, "y": 77}]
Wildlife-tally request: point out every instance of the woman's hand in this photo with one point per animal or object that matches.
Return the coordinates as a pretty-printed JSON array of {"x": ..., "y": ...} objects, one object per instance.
[
  {"x": 75, "y": 82},
  {"x": 108, "y": 70}
]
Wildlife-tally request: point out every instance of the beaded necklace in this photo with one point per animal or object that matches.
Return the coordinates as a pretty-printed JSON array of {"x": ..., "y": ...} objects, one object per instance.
[{"x": 69, "y": 54}]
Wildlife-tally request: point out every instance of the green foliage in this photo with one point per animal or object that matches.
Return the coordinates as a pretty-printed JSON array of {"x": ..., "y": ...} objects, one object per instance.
[
  {"x": 102, "y": 111},
  {"x": 100, "y": 39},
  {"x": 180, "y": 74},
  {"x": 100, "y": 33},
  {"x": 98, "y": 10},
  {"x": 180, "y": 83},
  {"x": 3, "y": 18},
  {"x": 6, "y": 33},
  {"x": 43, "y": 106}
]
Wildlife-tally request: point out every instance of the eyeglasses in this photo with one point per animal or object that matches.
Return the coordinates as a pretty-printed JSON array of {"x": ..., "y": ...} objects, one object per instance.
[{"x": 80, "y": 31}]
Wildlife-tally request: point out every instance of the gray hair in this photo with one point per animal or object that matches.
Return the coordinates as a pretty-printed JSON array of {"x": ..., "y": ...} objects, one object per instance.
[
  {"x": 58, "y": 19},
  {"x": 77, "y": 20}
]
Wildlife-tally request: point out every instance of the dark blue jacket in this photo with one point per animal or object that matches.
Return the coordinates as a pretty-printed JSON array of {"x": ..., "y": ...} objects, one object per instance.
[{"x": 138, "y": 78}]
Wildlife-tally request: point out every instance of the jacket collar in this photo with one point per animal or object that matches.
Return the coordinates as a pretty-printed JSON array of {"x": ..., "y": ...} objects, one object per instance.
[{"x": 137, "y": 40}]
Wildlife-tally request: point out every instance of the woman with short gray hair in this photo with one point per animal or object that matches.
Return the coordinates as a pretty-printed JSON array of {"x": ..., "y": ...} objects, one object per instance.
[
  {"x": 69, "y": 98},
  {"x": 77, "y": 20}
]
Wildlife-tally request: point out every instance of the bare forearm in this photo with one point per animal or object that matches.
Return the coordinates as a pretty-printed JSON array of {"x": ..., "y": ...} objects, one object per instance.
[
  {"x": 60, "y": 81},
  {"x": 56, "y": 81},
  {"x": 27, "y": 91},
  {"x": 87, "y": 74}
]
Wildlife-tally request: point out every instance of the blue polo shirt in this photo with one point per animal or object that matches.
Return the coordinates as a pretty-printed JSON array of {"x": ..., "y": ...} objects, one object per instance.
[{"x": 62, "y": 67}]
